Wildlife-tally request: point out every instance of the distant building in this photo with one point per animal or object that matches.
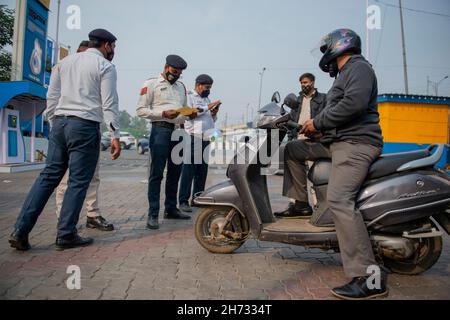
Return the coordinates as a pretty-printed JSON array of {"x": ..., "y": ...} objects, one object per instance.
[{"x": 411, "y": 122}]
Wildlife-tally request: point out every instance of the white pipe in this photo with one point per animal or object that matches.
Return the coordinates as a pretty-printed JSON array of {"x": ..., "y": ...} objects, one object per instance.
[
  {"x": 56, "y": 58},
  {"x": 33, "y": 134},
  {"x": 405, "y": 66},
  {"x": 18, "y": 41},
  {"x": 3, "y": 149},
  {"x": 367, "y": 32}
]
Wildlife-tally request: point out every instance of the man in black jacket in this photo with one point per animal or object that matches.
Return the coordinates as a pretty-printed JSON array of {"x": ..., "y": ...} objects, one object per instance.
[
  {"x": 352, "y": 139},
  {"x": 309, "y": 97},
  {"x": 311, "y": 102}
]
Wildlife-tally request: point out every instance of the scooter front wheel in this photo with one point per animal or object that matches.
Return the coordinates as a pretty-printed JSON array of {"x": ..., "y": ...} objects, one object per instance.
[{"x": 221, "y": 229}]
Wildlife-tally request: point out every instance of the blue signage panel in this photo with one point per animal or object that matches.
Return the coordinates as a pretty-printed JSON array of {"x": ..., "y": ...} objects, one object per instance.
[
  {"x": 12, "y": 144},
  {"x": 48, "y": 62},
  {"x": 35, "y": 42}
]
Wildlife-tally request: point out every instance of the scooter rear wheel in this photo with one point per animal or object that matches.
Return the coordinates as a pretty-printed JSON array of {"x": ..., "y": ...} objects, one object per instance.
[
  {"x": 211, "y": 220},
  {"x": 427, "y": 254}
]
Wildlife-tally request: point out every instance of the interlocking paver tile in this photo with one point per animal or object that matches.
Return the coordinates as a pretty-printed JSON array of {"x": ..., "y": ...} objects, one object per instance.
[{"x": 135, "y": 263}]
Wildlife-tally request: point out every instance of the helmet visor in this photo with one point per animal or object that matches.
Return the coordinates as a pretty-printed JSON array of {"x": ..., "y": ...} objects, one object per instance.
[{"x": 321, "y": 47}]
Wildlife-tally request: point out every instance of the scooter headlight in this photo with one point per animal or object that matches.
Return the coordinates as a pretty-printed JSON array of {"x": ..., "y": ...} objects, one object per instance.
[{"x": 267, "y": 115}]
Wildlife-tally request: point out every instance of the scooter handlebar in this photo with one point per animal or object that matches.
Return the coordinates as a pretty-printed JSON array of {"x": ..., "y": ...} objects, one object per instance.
[{"x": 293, "y": 125}]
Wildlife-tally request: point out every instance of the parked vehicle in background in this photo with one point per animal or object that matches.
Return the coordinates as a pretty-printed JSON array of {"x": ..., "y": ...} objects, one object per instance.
[
  {"x": 105, "y": 142},
  {"x": 126, "y": 140},
  {"x": 142, "y": 145}
]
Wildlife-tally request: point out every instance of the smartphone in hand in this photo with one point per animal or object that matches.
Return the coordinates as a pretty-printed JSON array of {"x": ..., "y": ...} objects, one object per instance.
[{"x": 216, "y": 107}]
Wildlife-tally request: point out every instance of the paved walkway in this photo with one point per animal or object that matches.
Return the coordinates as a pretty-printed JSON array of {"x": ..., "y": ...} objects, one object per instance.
[{"x": 135, "y": 263}]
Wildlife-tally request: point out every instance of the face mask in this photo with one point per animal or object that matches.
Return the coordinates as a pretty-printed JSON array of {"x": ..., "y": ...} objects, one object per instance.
[
  {"x": 205, "y": 94},
  {"x": 307, "y": 89},
  {"x": 171, "y": 77},
  {"x": 333, "y": 69},
  {"x": 110, "y": 55}
]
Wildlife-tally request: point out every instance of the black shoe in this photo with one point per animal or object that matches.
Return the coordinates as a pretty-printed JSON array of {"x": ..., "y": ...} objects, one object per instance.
[
  {"x": 72, "y": 241},
  {"x": 19, "y": 242},
  {"x": 295, "y": 211},
  {"x": 176, "y": 215},
  {"x": 153, "y": 223},
  {"x": 185, "y": 207},
  {"x": 99, "y": 223},
  {"x": 358, "y": 289}
]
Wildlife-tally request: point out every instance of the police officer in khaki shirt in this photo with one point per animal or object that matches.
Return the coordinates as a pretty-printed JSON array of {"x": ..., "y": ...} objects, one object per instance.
[{"x": 159, "y": 101}]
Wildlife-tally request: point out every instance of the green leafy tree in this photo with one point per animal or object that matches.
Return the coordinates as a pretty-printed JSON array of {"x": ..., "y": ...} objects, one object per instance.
[
  {"x": 140, "y": 125},
  {"x": 124, "y": 119},
  {"x": 136, "y": 126},
  {"x": 6, "y": 36}
]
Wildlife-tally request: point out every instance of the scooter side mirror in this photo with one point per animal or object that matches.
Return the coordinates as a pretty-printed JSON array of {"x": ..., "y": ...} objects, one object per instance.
[{"x": 276, "y": 98}]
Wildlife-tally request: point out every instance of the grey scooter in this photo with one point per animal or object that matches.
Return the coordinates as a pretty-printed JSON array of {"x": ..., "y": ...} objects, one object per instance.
[{"x": 403, "y": 201}]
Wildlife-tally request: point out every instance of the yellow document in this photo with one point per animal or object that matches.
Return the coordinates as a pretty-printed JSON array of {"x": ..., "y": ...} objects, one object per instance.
[{"x": 187, "y": 111}]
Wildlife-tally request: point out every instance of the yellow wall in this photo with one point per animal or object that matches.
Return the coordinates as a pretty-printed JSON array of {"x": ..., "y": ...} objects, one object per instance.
[
  {"x": 414, "y": 122},
  {"x": 46, "y": 3}
]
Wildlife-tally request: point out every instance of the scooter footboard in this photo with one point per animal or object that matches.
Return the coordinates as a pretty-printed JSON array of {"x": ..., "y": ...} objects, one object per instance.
[{"x": 322, "y": 240}]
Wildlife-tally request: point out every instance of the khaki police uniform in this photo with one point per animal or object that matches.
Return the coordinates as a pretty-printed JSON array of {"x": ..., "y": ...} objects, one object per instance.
[{"x": 159, "y": 95}]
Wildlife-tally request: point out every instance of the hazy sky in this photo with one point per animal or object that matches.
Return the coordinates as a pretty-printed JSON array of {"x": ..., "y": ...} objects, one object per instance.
[{"x": 233, "y": 40}]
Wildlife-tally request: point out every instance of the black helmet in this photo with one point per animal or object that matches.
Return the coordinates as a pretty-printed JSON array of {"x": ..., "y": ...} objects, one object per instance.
[{"x": 336, "y": 44}]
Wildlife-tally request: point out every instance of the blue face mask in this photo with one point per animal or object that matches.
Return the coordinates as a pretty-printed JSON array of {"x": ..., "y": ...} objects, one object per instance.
[{"x": 205, "y": 94}]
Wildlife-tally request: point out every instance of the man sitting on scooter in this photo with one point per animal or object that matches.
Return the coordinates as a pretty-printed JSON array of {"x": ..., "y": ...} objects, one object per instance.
[
  {"x": 352, "y": 139},
  {"x": 311, "y": 103}
]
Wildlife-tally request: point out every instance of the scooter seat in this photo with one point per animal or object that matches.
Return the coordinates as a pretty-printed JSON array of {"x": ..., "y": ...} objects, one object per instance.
[
  {"x": 385, "y": 165},
  {"x": 389, "y": 163}
]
